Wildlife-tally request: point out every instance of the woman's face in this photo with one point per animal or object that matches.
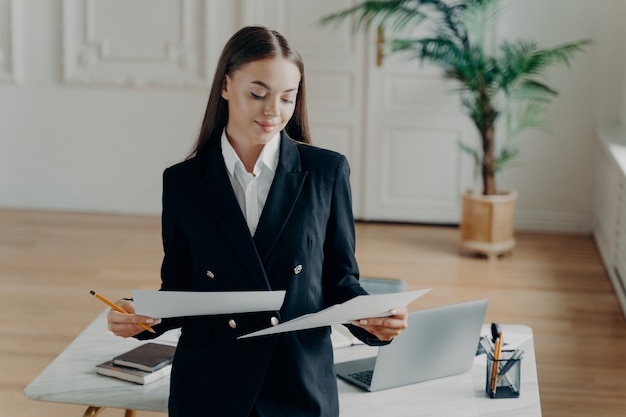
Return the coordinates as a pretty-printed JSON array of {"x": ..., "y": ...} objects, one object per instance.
[{"x": 261, "y": 98}]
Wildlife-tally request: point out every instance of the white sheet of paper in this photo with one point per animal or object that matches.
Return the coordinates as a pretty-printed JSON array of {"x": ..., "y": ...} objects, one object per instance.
[
  {"x": 363, "y": 306},
  {"x": 161, "y": 304}
]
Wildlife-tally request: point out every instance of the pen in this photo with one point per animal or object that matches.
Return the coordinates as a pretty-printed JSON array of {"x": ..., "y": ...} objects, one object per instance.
[
  {"x": 118, "y": 309},
  {"x": 489, "y": 343},
  {"x": 495, "y": 331},
  {"x": 486, "y": 345},
  {"x": 517, "y": 355},
  {"x": 514, "y": 357}
]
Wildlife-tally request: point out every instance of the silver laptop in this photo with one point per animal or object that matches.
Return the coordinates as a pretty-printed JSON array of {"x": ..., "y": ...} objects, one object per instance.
[{"x": 438, "y": 342}]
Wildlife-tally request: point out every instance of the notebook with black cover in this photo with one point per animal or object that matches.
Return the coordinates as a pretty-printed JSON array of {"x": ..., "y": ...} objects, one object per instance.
[{"x": 148, "y": 357}]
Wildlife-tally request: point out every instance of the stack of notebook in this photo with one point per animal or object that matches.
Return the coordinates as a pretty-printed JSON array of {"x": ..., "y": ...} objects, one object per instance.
[{"x": 141, "y": 365}]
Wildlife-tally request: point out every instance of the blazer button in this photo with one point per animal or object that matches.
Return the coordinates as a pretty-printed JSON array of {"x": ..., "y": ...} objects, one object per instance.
[
  {"x": 274, "y": 321},
  {"x": 297, "y": 269},
  {"x": 232, "y": 323},
  {"x": 210, "y": 274}
]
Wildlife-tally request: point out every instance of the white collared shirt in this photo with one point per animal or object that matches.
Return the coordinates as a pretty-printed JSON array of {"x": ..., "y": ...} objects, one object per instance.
[{"x": 251, "y": 189}]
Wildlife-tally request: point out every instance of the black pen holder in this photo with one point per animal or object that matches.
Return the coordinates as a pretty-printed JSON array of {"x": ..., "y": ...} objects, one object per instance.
[{"x": 505, "y": 383}]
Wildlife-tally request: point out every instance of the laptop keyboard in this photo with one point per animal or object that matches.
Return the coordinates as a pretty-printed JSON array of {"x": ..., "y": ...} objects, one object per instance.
[{"x": 363, "y": 376}]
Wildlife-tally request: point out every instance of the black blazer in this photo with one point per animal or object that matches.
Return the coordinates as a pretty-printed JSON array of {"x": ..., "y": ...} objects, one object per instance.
[{"x": 304, "y": 243}]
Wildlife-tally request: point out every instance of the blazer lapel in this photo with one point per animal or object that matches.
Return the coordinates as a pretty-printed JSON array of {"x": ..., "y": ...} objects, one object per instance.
[
  {"x": 286, "y": 187},
  {"x": 224, "y": 207}
]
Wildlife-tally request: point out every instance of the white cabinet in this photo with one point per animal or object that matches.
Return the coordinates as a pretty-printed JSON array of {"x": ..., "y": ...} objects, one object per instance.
[
  {"x": 605, "y": 199},
  {"x": 609, "y": 210},
  {"x": 620, "y": 238}
]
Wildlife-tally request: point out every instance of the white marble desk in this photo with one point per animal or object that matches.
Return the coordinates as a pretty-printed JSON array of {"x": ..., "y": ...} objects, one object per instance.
[
  {"x": 71, "y": 378},
  {"x": 461, "y": 395}
]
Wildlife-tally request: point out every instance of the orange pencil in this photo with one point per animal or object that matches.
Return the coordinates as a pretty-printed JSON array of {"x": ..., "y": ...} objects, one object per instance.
[
  {"x": 119, "y": 309},
  {"x": 494, "y": 369}
]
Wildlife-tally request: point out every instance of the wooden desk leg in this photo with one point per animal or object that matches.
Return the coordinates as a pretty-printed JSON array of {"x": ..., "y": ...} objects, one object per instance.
[{"x": 94, "y": 411}]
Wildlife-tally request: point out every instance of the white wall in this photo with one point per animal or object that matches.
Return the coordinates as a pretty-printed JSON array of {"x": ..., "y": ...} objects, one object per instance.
[
  {"x": 79, "y": 131},
  {"x": 555, "y": 172},
  {"x": 84, "y": 132}
]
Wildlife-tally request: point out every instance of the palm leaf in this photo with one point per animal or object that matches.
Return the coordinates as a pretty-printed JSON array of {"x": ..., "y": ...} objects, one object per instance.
[
  {"x": 397, "y": 14},
  {"x": 504, "y": 158},
  {"x": 478, "y": 19},
  {"x": 529, "y": 115},
  {"x": 400, "y": 15},
  {"x": 473, "y": 152},
  {"x": 524, "y": 59},
  {"x": 564, "y": 53},
  {"x": 531, "y": 90},
  {"x": 440, "y": 51}
]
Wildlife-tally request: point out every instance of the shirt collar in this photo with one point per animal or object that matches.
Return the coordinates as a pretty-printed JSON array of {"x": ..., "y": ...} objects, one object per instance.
[{"x": 269, "y": 155}]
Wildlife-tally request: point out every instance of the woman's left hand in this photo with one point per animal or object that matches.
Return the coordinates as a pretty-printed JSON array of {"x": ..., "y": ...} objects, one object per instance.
[{"x": 385, "y": 328}]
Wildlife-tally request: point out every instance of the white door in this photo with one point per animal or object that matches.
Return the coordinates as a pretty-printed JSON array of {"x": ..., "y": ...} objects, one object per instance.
[
  {"x": 415, "y": 169},
  {"x": 398, "y": 124},
  {"x": 334, "y": 67}
]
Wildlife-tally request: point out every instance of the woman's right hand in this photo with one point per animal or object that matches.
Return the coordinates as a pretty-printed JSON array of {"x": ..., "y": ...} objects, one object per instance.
[{"x": 128, "y": 325}]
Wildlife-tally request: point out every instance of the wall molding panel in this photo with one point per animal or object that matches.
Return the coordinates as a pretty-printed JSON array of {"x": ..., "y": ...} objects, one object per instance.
[
  {"x": 11, "y": 33},
  {"x": 269, "y": 13},
  {"x": 330, "y": 90},
  {"x": 418, "y": 153},
  {"x": 406, "y": 93},
  {"x": 337, "y": 137},
  {"x": 103, "y": 45}
]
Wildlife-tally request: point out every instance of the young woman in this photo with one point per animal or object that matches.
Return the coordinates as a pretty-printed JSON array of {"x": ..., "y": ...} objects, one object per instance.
[{"x": 255, "y": 207}]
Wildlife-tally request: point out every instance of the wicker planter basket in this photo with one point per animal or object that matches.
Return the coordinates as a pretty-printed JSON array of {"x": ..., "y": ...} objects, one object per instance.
[{"x": 488, "y": 224}]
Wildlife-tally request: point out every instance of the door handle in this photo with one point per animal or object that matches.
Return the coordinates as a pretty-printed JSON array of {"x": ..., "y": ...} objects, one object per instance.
[{"x": 380, "y": 42}]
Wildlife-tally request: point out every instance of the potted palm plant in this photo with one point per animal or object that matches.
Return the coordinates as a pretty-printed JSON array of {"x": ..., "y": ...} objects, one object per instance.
[{"x": 495, "y": 84}]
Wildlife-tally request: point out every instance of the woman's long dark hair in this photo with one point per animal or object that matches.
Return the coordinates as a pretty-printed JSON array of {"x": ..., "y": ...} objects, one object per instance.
[{"x": 249, "y": 44}]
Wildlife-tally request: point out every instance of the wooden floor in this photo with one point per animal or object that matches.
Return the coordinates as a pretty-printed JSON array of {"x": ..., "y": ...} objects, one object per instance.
[{"x": 554, "y": 283}]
